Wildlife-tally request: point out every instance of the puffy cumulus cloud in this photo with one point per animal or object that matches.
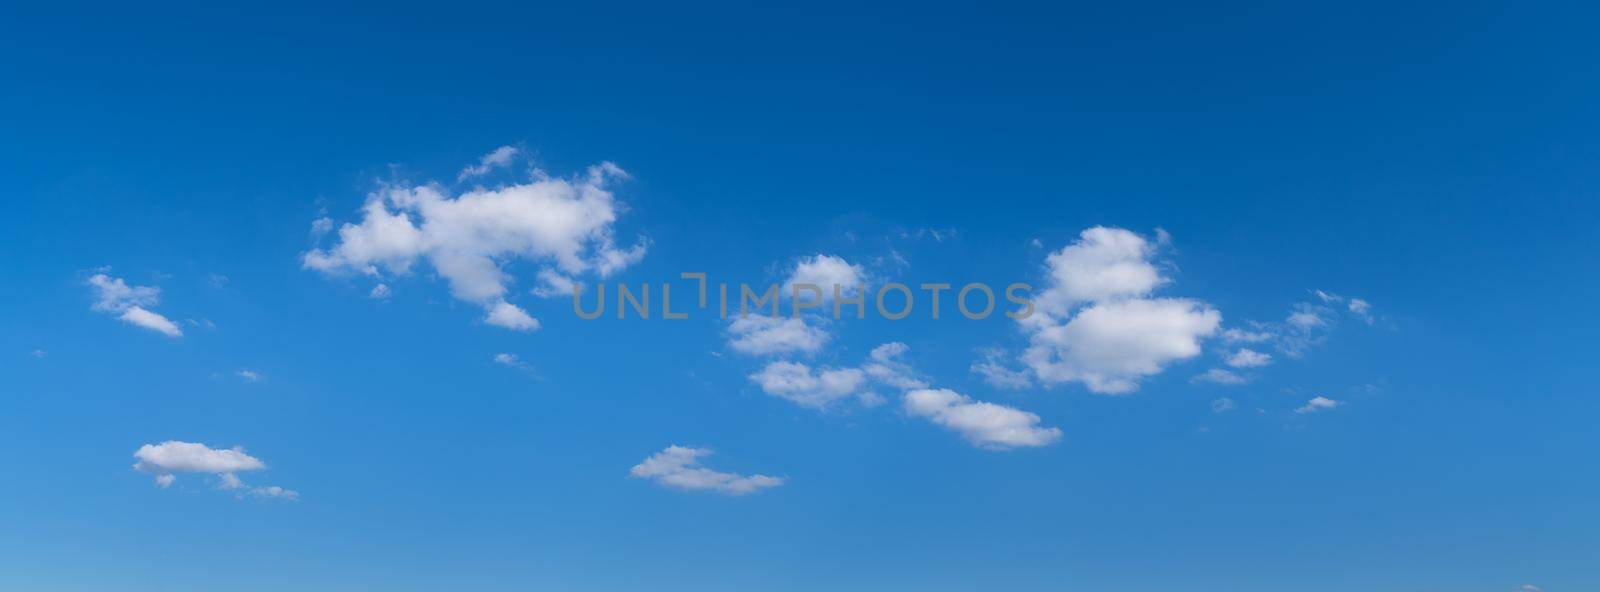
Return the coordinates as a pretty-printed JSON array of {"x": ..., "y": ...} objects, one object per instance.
[
  {"x": 759, "y": 334},
  {"x": 565, "y": 224},
  {"x": 167, "y": 459},
  {"x": 985, "y": 425},
  {"x": 679, "y": 467},
  {"x": 817, "y": 388},
  {"x": 500, "y": 157},
  {"x": 1104, "y": 264},
  {"x": 1317, "y": 404},
  {"x": 115, "y": 296},
  {"x": 380, "y": 292},
  {"x": 1236, "y": 335},
  {"x": 1111, "y": 345},
  {"x": 825, "y": 272},
  {"x": 1096, "y": 322},
  {"x": 1248, "y": 358}
]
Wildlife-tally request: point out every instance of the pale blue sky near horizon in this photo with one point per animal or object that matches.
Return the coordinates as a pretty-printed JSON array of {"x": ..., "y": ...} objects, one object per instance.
[{"x": 1434, "y": 161}]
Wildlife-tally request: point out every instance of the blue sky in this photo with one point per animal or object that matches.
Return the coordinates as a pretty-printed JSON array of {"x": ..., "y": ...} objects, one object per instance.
[{"x": 1183, "y": 183}]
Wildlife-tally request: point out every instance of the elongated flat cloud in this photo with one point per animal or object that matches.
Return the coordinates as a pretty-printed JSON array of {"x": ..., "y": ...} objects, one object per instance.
[
  {"x": 467, "y": 238},
  {"x": 985, "y": 425},
  {"x": 114, "y": 296},
  {"x": 167, "y": 459},
  {"x": 679, "y": 467}
]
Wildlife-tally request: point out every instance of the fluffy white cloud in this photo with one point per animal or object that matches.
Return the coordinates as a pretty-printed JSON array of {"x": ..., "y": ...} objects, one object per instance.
[
  {"x": 249, "y": 375},
  {"x": 1248, "y": 358},
  {"x": 114, "y": 296},
  {"x": 985, "y": 425},
  {"x": 1317, "y": 404},
  {"x": 466, "y": 238},
  {"x": 167, "y": 459},
  {"x": 760, "y": 334},
  {"x": 679, "y": 466},
  {"x": 1109, "y": 346},
  {"x": 799, "y": 383},
  {"x": 825, "y": 272},
  {"x": 380, "y": 292},
  {"x": 1096, "y": 323},
  {"x": 1104, "y": 264},
  {"x": 1219, "y": 376},
  {"x": 500, "y": 157}
]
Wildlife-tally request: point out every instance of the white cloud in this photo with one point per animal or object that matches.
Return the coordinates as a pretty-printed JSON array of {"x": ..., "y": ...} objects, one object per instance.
[
  {"x": 679, "y": 467},
  {"x": 1104, "y": 264},
  {"x": 1110, "y": 346},
  {"x": 467, "y": 237},
  {"x": 114, "y": 296},
  {"x": 817, "y": 388},
  {"x": 1095, "y": 322},
  {"x": 167, "y": 459},
  {"x": 1362, "y": 309},
  {"x": 1317, "y": 404},
  {"x": 1249, "y": 358},
  {"x": 1242, "y": 336},
  {"x": 552, "y": 283},
  {"x": 825, "y": 272},
  {"x": 760, "y": 334},
  {"x": 249, "y": 375},
  {"x": 510, "y": 316},
  {"x": 1219, "y": 376},
  {"x": 1222, "y": 405},
  {"x": 985, "y": 425},
  {"x": 511, "y": 361},
  {"x": 38, "y": 354},
  {"x": 500, "y": 157},
  {"x": 800, "y": 384},
  {"x": 884, "y": 366},
  {"x": 380, "y": 292},
  {"x": 150, "y": 320},
  {"x": 992, "y": 367}
]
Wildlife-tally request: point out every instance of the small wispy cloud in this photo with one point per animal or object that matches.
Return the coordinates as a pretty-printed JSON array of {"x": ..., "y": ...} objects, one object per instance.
[
  {"x": 1317, "y": 404},
  {"x": 679, "y": 467}
]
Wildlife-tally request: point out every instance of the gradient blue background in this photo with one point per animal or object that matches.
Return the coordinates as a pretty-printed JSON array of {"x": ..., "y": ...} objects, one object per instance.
[{"x": 1438, "y": 160}]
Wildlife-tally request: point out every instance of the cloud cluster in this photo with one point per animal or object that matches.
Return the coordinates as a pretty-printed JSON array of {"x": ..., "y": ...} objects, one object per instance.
[
  {"x": 167, "y": 459},
  {"x": 679, "y": 467},
  {"x": 563, "y": 225},
  {"x": 817, "y": 388},
  {"x": 985, "y": 425},
  {"x": 1097, "y": 323},
  {"x": 114, "y": 296}
]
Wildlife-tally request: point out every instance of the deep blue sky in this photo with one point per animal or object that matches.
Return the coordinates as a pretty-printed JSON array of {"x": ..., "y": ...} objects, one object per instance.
[{"x": 1437, "y": 161}]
